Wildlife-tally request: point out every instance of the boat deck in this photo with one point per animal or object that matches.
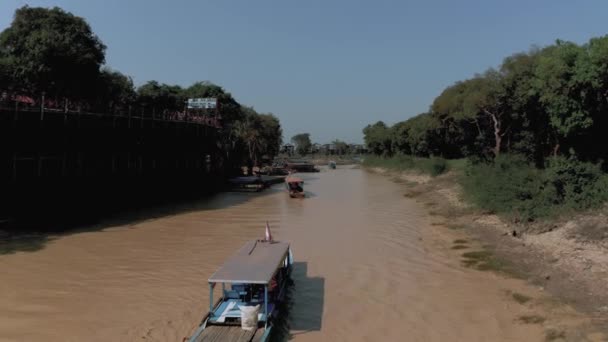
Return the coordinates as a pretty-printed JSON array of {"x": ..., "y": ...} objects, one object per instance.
[{"x": 230, "y": 334}]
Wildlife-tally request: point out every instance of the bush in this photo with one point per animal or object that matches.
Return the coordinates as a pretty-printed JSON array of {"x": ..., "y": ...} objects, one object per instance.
[
  {"x": 512, "y": 187},
  {"x": 434, "y": 166}
]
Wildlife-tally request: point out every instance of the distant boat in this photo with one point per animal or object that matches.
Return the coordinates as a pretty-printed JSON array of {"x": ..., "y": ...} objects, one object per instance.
[
  {"x": 332, "y": 164},
  {"x": 258, "y": 275},
  {"x": 295, "y": 187}
]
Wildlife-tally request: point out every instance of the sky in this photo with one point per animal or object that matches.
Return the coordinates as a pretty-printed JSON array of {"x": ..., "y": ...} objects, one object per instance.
[{"x": 325, "y": 67}]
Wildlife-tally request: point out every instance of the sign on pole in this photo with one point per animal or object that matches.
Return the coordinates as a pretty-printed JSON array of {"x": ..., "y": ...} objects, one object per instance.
[{"x": 202, "y": 103}]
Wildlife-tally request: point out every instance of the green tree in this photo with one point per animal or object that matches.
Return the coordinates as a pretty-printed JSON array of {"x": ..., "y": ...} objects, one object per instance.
[
  {"x": 302, "y": 142},
  {"x": 161, "y": 96},
  {"x": 261, "y": 135},
  {"x": 272, "y": 135},
  {"x": 116, "y": 90},
  {"x": 230, "y": 108},
  {"x": 562, "y": 94},
  {"x": 377, "y": 137},
  {"x": 479, "y": 100},
  {"x": 53, "y": 51},
  {"x": 341, "y": 147}
]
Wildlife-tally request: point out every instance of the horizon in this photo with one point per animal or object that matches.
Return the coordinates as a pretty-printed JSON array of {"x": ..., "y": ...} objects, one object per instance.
[{"x": 328, "y": 70}]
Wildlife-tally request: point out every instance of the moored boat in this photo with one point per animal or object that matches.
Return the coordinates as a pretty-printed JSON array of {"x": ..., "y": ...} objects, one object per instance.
[
  {"x": 247, "y": 183},
  {"x": 332, "y": 164},
  {"x": 301, "y": 166},
  {"x": 257, "y": 277},
  {"x": 295, "y": 186}
]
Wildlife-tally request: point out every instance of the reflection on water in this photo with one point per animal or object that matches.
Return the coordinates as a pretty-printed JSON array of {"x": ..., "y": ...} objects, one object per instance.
[{"x": 363, "y": 272}]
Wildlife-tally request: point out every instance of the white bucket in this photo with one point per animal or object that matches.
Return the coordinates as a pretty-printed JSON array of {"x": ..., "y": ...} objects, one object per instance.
[{"x": 249, "y": 317}]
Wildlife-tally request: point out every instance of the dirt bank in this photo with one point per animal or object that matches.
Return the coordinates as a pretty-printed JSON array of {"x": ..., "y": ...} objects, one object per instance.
[{"x": 566, "y": 260}]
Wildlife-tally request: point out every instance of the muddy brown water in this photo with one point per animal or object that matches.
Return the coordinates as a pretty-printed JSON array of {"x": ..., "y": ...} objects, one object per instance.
[{"x": 367, "y": 269}]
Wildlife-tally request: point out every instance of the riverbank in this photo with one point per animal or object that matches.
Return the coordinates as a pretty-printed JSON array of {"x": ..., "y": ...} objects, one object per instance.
[{"x": 566, "y": 259}]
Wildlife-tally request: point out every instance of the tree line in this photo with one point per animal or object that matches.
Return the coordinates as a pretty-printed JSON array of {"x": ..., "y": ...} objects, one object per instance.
[
  {"x": 304, "y": 146},
  {"x": 550, "y": 101},
  {"x": 53, "y": 52}
]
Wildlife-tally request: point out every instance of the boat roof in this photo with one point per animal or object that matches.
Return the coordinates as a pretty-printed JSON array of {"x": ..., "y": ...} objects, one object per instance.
[
  {"x": 293, "y": 180},
  {"x": 255, "y": 263}
]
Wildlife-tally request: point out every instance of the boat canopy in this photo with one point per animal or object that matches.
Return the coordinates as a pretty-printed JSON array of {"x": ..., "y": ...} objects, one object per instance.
[
  {"x": 294, "y": 180},
  {"x": 255, "y": 263}
]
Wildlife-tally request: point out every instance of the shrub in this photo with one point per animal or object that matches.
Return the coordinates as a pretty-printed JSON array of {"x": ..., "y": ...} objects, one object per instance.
[
  {"x": 512, "y": 187},
  {"x": 433, "y": 166}
]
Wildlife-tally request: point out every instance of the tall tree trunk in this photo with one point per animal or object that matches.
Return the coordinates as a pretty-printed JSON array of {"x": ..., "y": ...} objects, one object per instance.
[
  {"x": 555, "y": 149},
  {"x": 497, "y": 132}
]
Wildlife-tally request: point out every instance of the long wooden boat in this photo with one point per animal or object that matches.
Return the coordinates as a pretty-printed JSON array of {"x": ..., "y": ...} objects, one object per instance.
[
  {"x": 301, "y": 166},
  {"x": 247, "y": 183},
  {"x": 257, "y": 274},
  {"x": 295, "y": 187}
]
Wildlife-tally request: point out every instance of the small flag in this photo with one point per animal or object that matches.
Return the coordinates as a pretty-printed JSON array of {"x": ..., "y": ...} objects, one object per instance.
[{"x": 268, "y": 234}]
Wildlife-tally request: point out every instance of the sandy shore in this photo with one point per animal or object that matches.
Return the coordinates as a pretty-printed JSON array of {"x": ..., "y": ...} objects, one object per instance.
[{"x": 566, "y": 260}]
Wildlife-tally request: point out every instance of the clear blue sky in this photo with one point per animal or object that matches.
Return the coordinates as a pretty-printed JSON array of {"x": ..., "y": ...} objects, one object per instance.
[{"x": 327, "y": 67}]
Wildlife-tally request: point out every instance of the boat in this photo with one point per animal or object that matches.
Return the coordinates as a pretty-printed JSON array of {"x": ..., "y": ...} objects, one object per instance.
[
  {"x": 332, "y": 164},
  {"x": 276, "y": 169},
  {"x": 256, "y": 276},
  {"x": 301, "y": 166},
  {"x": 295, "y": 186},
  {"x": 247, "y": 183}
]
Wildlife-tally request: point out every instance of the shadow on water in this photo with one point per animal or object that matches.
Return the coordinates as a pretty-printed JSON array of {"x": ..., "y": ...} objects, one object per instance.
[
  {"x": 11, "y": 243},
  {"x": 32, "y": 233},
  {"x": 302, "y": 311}
]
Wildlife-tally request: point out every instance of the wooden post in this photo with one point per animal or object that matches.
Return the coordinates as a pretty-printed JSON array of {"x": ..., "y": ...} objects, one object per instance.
[
  {"x": 14, "y": 166},
  {"x": 64, "y": 161},
  {"x": 266, "y": 306},
  {"x": 16, "y": 114},
  {"x": 42, "y": 108},
  {"x": 210, "y": 299},
  {"x": 39, "y": 165}
]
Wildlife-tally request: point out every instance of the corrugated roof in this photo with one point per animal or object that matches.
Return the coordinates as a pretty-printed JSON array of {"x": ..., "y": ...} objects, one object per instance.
[{"x": 255, "y": 263}]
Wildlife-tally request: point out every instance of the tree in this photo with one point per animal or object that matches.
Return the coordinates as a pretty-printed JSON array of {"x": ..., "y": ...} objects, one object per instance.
[
  {"x": 272, "y": 135},
  {"x": 261, "y": 134},
  {"x": 480, "y": 100},
  {"x": 377, "y": 137},
  {"x": 161, "y": 96},
  {"x": 116, "y": 91},
  {"x": 52, "y": 51},
  {"x": 302, "y": 142},
  {"x": 230, "y": 108},
  {"x": 5, "y": 80},
  {"x": 562, "y": 94},
  {"x": 422, "y": 135},
  {"x": 341, "y": 146}
]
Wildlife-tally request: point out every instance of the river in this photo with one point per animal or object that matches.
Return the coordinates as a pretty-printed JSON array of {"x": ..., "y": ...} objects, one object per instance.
[{"x": 370, "y": 266}]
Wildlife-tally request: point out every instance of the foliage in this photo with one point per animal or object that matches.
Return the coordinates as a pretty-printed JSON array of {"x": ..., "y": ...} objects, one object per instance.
[
  {"x": 341, "y": 147},
  {"x": 511, "y": 186},
  {"x": 53, "y": 51},
  {"x": 539, "y": 104},
  {"x": 378, "y": 138},
  {"x": 161, "y": 96},
  {"x": 431, "y": 166},
  {"x": 56, "y": 52},
  {"x": 261, "y": 133},
  {"x": 302, "y": 142},
  {"x": 115, "y": 90},
  {"x": 546, "y": 109}
]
